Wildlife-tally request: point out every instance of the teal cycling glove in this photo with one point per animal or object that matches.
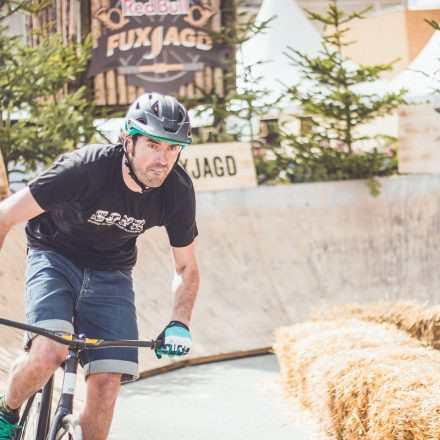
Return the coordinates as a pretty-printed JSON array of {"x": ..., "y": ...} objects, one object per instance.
[{"x": 175, "y": 340}]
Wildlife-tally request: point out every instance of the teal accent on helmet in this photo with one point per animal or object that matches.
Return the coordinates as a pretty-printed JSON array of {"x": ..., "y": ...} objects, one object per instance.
[{"x": 133, "y": 131}]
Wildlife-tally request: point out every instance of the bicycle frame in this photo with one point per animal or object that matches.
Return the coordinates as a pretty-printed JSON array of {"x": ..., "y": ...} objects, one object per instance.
[{"x": 65, "y": 405}]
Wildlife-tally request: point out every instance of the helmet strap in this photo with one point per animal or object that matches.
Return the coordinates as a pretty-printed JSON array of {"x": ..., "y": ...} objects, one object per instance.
[{"x": 131, "y": 172}]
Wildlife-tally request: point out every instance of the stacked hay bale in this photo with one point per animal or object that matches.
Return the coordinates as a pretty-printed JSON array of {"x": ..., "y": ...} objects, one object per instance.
[
  {"x": 362, "y": 380},
  {"x": 419, "y": 321}
]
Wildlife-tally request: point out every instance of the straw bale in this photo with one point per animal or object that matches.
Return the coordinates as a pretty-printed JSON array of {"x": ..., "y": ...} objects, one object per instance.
[
  {"x": 307, "y": 342},
  {"x": 418, "y": 320},
  {"x": 407, "y": 402},
  {"x": 362, "y": 380},
  {"x": 367, "y": 394},
  {"x": 339, "y": 386}
]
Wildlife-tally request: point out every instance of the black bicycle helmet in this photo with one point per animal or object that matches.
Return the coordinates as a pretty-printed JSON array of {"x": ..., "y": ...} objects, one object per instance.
[{"x": 160, "y": 117}]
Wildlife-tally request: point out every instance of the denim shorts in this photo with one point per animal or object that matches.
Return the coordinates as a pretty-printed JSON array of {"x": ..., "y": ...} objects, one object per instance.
[{"x": 62, "y": 296}]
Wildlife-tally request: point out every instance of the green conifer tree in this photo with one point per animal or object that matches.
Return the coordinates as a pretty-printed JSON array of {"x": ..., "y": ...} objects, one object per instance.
[
  {"x": 331, "y": 100},
  {"x": 37, "y": 122}
]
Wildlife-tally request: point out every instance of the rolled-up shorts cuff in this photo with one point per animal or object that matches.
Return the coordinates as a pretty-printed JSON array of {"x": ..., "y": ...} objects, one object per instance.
[
  {"x": 55, "y": 325},
  {"x": 128, "y": 370}
]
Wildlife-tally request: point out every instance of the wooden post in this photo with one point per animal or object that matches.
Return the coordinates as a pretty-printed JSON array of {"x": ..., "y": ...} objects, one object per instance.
[
  {"x": 35, "y": 25},
  {"x": 218, "y": 73},
  {"x": 73, "y": 22},
  {"x": 110, "y": 85},
  {"x": 219, "y": 81},
  {"x": 51, "y": 17},
  {"x": 229, "y": 19},
  {"x": 110, "y": 76},
  {"x": 198, "y": 83},
  {"x": 208, "y": 78},
  {"x": 131, "y": 93},
  {"x": 216, "y": 21},
  {"x": 43, "y": 20},
  {"x": 29, "y": 30},
  {"x": 122, "y": 89},
  {"x": 182, "y": 90},
  {"x": 95, "y": 25},
  {"x": 64, "y": 24},
  {"x": 85, "y": 18},
  {"x": 190, "y": 90},
  {"x": 96, "y": 33},
  {"x": 4, "y": 185},
  {"x": 58, "y": 17}
]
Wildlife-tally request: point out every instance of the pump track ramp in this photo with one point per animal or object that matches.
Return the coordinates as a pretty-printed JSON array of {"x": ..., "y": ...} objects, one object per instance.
[{"x": 267, "y": 257}]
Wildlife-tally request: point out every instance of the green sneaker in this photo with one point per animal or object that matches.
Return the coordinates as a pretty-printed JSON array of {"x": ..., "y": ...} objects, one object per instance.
[{"x": 8, "y": 431}]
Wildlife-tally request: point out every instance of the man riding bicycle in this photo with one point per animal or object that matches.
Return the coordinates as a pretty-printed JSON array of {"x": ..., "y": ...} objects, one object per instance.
[{"x": 83, "y": 216}]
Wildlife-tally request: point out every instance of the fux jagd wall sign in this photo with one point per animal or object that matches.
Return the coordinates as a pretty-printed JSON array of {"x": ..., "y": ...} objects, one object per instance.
[{"x": 159, "y": 45}]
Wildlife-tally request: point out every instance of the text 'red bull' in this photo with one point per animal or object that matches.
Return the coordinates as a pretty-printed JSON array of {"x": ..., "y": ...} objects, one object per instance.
[{"x": 154, "y": 7}]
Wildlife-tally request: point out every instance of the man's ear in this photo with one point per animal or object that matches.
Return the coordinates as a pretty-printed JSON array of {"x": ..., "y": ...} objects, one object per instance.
[{"x": 129, "y": 145}]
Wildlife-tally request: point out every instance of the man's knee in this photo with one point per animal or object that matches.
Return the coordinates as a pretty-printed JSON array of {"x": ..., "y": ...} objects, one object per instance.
[
  {"x": 47, "y": 353},
  {"x": 104, "y": 386}
]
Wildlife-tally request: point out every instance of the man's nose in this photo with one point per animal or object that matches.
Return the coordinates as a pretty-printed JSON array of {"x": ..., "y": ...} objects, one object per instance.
[{"x": 163, "y": 157}]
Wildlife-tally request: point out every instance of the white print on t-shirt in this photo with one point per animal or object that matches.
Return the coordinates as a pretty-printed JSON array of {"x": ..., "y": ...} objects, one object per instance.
[{"x": 129, "y": 224}]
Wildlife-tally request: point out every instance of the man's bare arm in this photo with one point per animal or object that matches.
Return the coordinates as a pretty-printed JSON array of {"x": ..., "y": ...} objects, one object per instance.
[
  {"x": 17, "y": 208},
  {"x": 185, "y": 283}
]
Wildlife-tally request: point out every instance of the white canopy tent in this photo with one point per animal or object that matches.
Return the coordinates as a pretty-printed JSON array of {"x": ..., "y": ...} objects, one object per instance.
[
  {"x": 423, "y": 4},
  {"x": 423, "y": 75},
  {"x": 290, "y": 27},
  {"x": 421, "y": 78}
]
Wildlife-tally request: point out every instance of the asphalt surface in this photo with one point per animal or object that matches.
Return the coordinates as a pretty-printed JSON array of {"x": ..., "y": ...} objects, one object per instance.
[{"x": 231, "y": 400}]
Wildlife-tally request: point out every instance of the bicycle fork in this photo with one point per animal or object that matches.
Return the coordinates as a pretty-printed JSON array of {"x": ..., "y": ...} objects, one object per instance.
[{"x": 65, "y": 405}]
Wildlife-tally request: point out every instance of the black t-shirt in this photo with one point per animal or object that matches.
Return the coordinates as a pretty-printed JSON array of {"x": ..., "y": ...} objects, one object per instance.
[{"x": 94, "y": 219}]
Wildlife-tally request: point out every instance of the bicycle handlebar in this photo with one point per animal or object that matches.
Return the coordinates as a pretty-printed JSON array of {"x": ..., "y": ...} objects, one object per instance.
[{"x": 78, "y": 342}]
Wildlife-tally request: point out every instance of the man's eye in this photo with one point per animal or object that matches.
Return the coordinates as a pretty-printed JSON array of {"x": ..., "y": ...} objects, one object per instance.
[
  {"x": 174, "y": 147},
  {"x": 152, "y": 145}
]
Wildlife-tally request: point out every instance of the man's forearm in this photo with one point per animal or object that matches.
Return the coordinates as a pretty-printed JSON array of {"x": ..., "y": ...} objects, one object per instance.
[{"x": 185, "y": 289}]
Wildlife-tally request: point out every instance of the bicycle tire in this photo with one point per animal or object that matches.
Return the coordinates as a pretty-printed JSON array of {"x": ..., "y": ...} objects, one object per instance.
[
  {"x": 30, "y": 424},
  {"x": 36, "y": 415},
  {"x": 70, "y": 429}
]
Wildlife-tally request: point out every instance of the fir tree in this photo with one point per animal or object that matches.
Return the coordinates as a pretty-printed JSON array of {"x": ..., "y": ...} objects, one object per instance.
[
  {"x": 37, "y": 122},
  {"x": 331, "y": 146}
]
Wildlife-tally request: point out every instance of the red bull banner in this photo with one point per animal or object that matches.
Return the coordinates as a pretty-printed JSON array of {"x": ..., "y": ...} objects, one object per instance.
[{"x": 156, "y": 44}]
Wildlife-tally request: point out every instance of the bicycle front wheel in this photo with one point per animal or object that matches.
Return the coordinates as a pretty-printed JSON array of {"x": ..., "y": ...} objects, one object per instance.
[
  {"x": 70, "y": 429},
  {"x": 31, "y": 418},
  {"x": 35, "y": 417}
]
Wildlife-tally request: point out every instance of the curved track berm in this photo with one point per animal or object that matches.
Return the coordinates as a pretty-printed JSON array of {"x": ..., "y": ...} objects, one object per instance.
[{"x": 270, "y": 255}]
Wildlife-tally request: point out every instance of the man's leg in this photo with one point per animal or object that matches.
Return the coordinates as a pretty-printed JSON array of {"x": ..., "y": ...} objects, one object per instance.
[
  {"x": 49, "y": 300},
  {"x": 32, "y": 370},
  {"x": 102, "y": 390},
  {"x": 107, "y": 312}
]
